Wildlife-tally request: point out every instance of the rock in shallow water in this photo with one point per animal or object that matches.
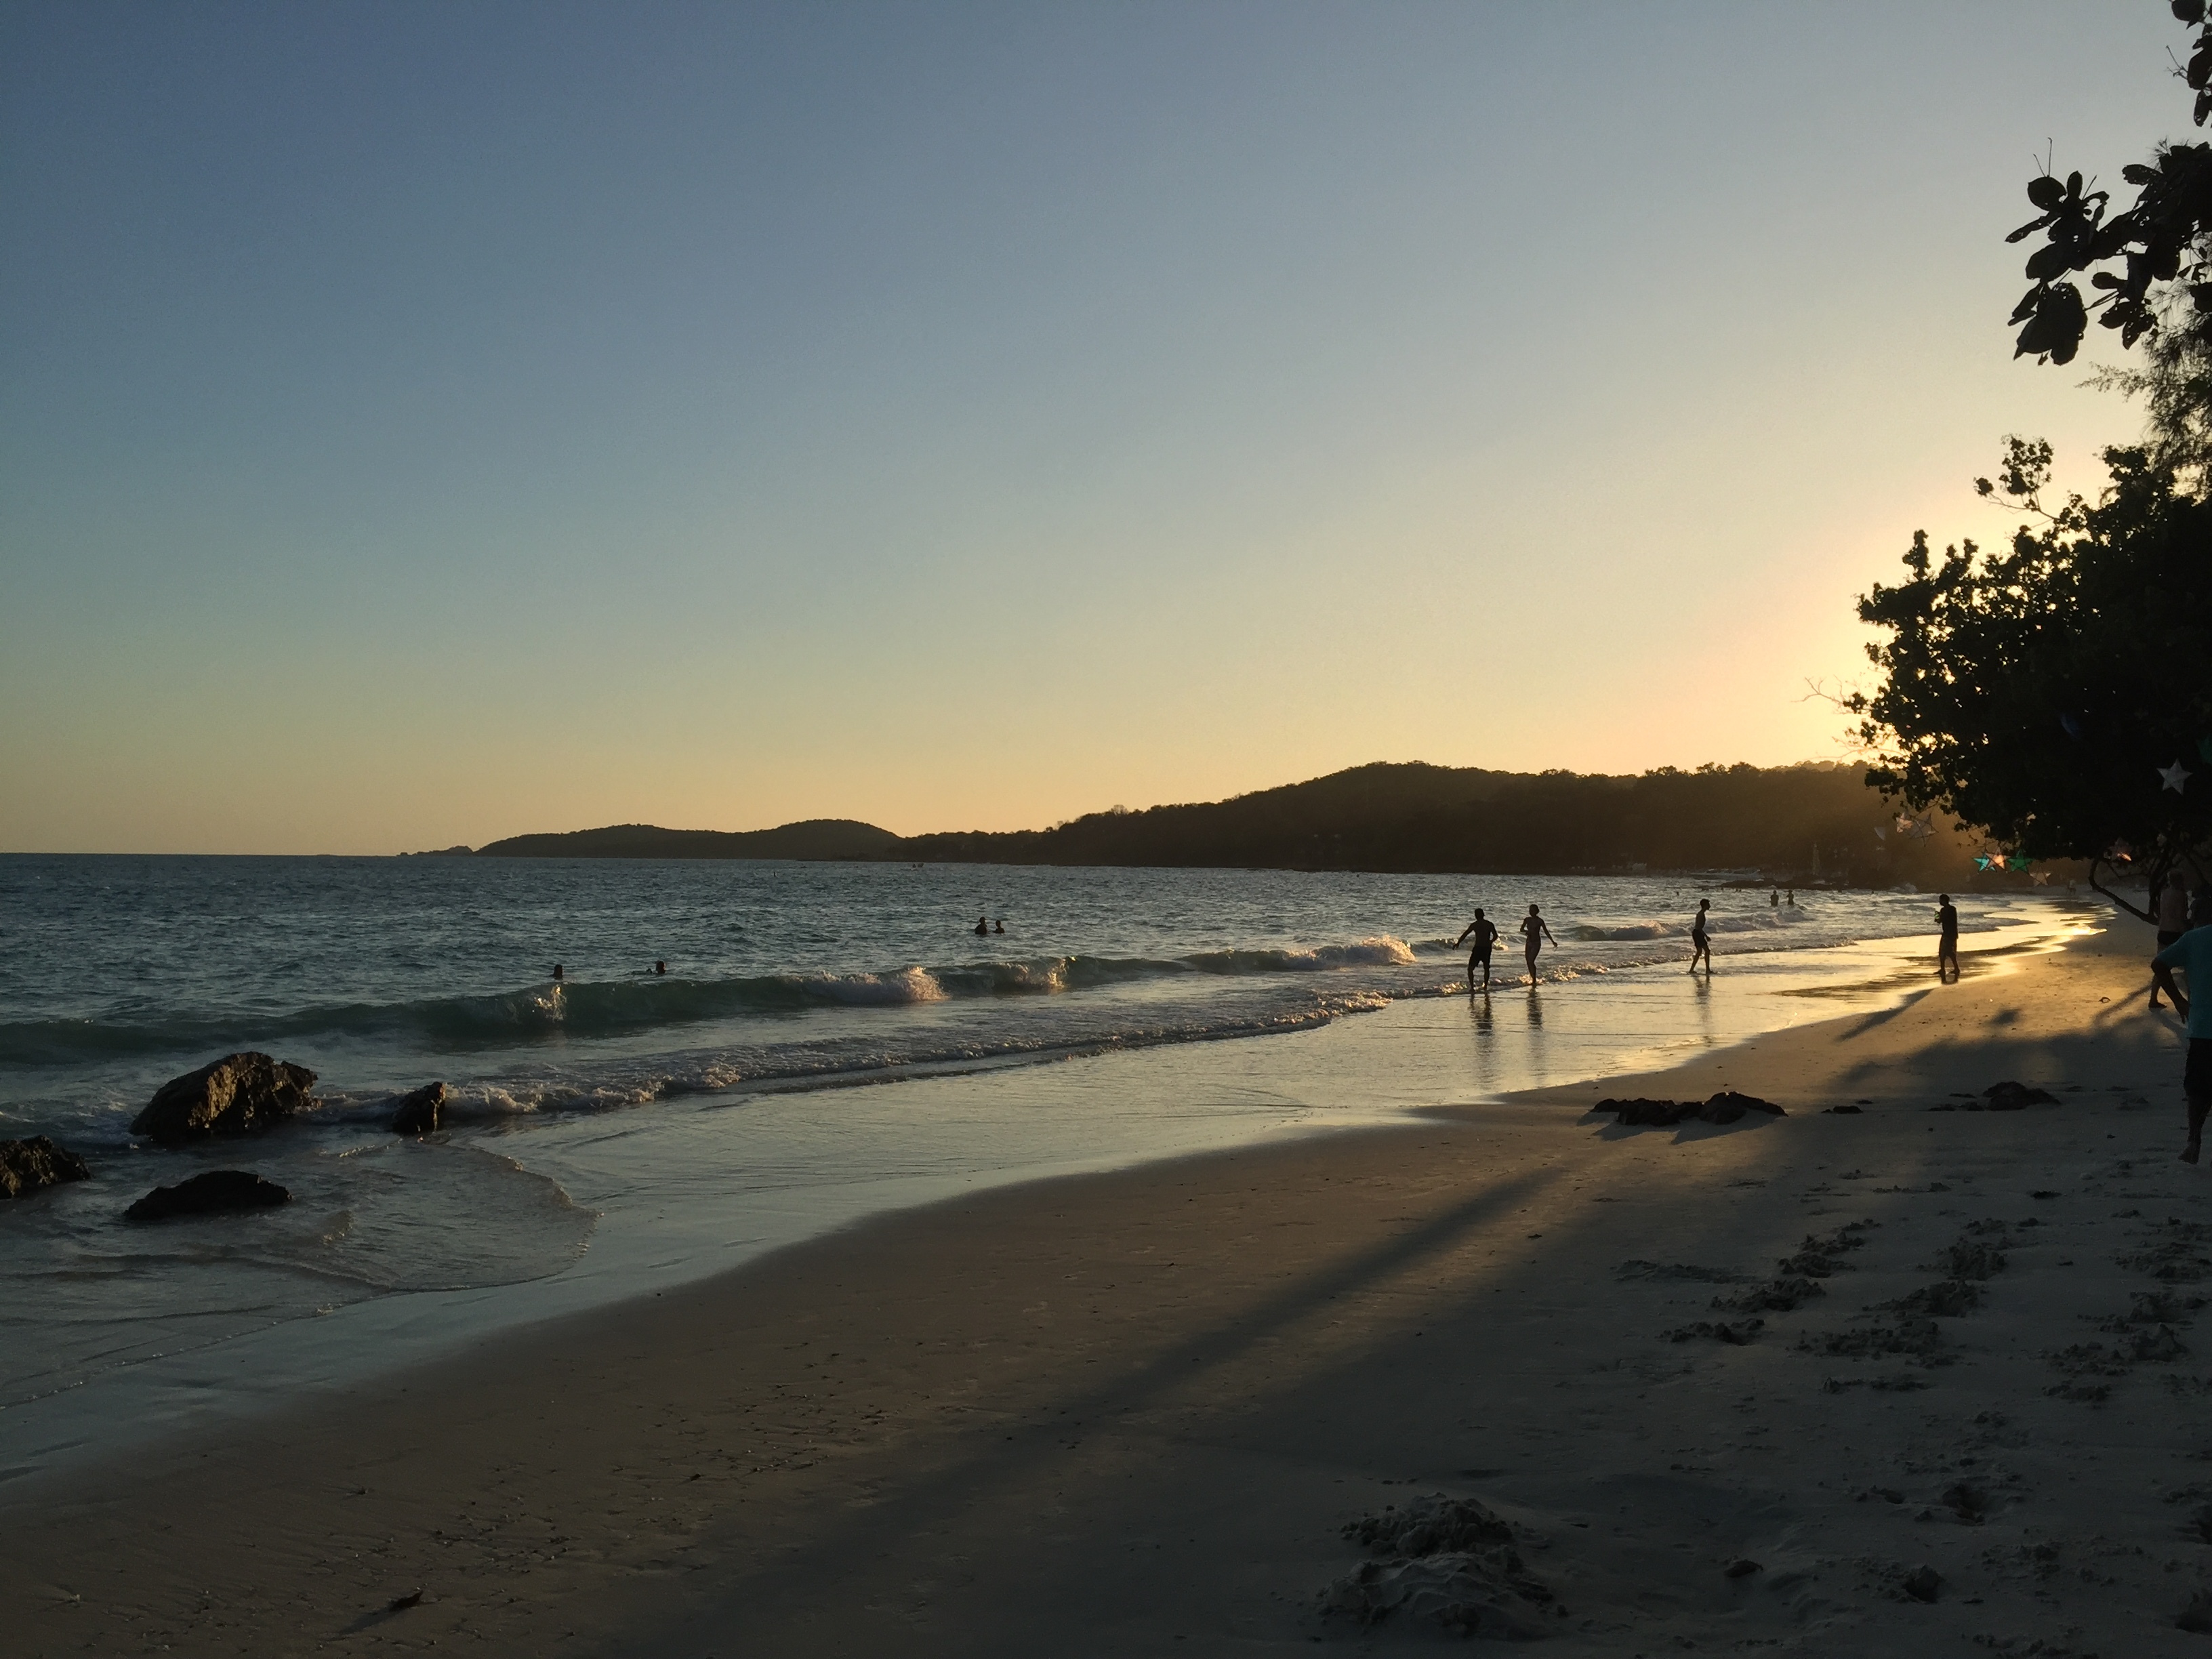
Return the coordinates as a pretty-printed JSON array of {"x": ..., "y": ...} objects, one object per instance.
[
  {"x": 421, "y": 1112},
  {"x": 216, "y": 1191},
  {"x": 27, "y": 1165},
  {"x": 233, "y": 1096}
]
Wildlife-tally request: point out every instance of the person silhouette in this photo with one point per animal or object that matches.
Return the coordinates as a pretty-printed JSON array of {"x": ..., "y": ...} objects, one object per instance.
[
  {"x": 999, "y": 926},
  {"x": 1701, "y": 947},
  {"x": 1535, "y": 932},
  {"x": 1485, "y": 935},
  {"x": 1947, "y": 942},
  {"x": 983, "y": 927}
]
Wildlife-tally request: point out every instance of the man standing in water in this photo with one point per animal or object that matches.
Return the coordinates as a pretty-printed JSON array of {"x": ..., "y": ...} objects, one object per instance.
[
  {"x": 1534, "y": 931},
  {"x": 1485, "y": 935},
  {"x": 1946, "y": 946},
  {"x": 1701, "y": 947},
  {"x": 2192, "y": 954}
]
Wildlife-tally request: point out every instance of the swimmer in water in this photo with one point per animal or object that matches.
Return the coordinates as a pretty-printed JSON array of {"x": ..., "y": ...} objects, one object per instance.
[
  {"x": 1485, "y": 935},
  {"x": 1535, "y": 932},
  {"x": 999, "y": 925},
  {"x": 983, "y": 927},
  {"x": 557, "y": 973}
]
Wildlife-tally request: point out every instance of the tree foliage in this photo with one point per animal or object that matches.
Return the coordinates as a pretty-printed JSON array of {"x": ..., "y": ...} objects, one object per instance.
[
  {"x": 2042, "y": 691},
  {"x": 2150, "y": 264}
]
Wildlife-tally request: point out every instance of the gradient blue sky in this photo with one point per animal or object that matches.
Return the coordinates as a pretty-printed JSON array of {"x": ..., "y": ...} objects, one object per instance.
[{"x": 421, "y": 424}]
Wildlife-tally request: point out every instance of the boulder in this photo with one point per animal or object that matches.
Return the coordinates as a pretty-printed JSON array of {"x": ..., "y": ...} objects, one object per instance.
[
  {"x": 1726, "y": 1106},
  {"x": 236, "y": 1095},
  {"x": 421, "y": 1112},
  {"x": 216, "y": 1191},
  {"x": 27, "y": 1165}
]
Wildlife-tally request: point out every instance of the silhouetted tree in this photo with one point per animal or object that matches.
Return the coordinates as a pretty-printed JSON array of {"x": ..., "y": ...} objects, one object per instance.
[
  {"x": 2150, "y": 266},
  {"x": 2046, "y": 692}
]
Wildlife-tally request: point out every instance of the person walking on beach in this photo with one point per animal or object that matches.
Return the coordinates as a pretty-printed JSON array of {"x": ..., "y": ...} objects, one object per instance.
[
  {"x": 1535, "y": 932},
  {"x": 1701, "y": 947},
  {"x": 2192, "y": 954},
  {"x": 1947, "y": 944},
  {"x": 1485, "y": 935},
  {"x": 2173, "y": 918}
]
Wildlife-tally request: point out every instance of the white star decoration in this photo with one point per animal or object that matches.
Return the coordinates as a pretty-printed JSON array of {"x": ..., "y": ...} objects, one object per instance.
[{"x": 2175, "y": 777}]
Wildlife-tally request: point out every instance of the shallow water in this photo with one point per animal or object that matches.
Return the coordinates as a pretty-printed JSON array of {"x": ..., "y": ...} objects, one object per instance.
[{"x": 621, "y": 1126}]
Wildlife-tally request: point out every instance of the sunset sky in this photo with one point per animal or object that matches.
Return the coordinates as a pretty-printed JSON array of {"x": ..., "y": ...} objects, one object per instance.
[{"x": 423, "y": 423}]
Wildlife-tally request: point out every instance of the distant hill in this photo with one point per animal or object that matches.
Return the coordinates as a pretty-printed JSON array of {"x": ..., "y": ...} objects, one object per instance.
[
  {"x": 816, "y": 838},
  {"x": 1792, "y": 822}
]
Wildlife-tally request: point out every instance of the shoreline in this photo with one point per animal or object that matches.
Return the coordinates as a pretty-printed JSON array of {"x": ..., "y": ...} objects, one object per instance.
[
  {"x": 1144, "y": 1400},
  {"x": 677, "y": 1198}
]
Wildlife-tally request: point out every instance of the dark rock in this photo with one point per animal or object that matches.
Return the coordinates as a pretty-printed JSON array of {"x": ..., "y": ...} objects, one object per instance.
[
  {"x": 421, "y": 1112},
  {"x": 1741, "y": 1569},
  {"x": 206, "y": 1195},
  {"x": 27, "y": 1165},
  {"x": 1726, "y": 1106},
  {"x": 2010, "y": 1097},
  {"x": 1922, "y": 1583},
  {"x": 2197, "y": 1617},
  {"x": 236, "y": 1095},
  {"x": 1847, "y": 1111}
]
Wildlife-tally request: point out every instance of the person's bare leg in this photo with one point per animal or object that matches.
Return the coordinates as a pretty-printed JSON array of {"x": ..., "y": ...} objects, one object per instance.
[{"x": 2198, "y": 1106}]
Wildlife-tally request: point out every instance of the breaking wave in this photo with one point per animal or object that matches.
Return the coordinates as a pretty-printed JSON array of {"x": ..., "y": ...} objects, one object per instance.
[{"x": 579, "y": 1008}]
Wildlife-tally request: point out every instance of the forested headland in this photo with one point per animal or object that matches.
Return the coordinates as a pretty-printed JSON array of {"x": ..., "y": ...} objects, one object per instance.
[{"x": 1791, "y": 822}]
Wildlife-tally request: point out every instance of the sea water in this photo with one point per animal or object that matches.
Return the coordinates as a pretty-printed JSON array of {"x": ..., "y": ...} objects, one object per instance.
[{"x": 620, "y": 1122}]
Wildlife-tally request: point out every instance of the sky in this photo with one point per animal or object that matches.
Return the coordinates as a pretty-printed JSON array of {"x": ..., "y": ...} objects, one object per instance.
[{"x": 424, "y": 424}]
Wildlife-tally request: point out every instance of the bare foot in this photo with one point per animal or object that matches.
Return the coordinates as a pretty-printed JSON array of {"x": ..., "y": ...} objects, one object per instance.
[{"x": 2189, "y": 1153}]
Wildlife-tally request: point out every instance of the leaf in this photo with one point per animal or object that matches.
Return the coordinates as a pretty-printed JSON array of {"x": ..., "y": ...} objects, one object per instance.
[
  {"x": 2190, "y": 12},
  {"x": 2045, "y": 193},
  {"x": 2073, "y": 186},
  {"x": 2049, "y": 261},
  {"x": 2138, "y": 175}
]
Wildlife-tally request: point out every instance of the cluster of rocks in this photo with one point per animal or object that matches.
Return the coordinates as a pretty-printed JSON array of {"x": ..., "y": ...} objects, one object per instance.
[
  {"x": 242, "y": 1094},
  {"x": 1446, "y": 1561},
  {"x": 1726, "y": 1106}
]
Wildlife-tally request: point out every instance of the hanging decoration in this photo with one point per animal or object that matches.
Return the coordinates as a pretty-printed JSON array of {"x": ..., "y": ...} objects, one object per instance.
[{"x": 2175, "y": 775}]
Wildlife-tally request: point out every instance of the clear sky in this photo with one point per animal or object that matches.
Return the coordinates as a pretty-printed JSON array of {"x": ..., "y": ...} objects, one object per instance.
[{"x": 421, "y": 424}]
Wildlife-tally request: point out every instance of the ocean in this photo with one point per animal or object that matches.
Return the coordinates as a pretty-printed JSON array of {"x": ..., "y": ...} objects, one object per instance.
[{"x": 826, "y": 1041}]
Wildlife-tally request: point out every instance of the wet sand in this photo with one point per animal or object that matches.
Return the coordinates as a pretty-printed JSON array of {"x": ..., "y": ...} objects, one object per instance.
[{"x": 1131, "y": 1413}]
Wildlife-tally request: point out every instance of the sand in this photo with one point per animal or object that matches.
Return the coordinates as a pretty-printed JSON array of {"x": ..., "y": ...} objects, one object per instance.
[{"x": 1134, "y": 1412}]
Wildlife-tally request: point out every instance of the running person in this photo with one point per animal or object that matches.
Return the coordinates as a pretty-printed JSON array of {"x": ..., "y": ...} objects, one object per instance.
[
  {"x": 1947, "y": 945},
  {"x": 1699, "y": 944},
  {"x": 1534, "y": 931},
  {"x": 2192, "y": 954},
  {"x": 1485, "y": 935}
]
